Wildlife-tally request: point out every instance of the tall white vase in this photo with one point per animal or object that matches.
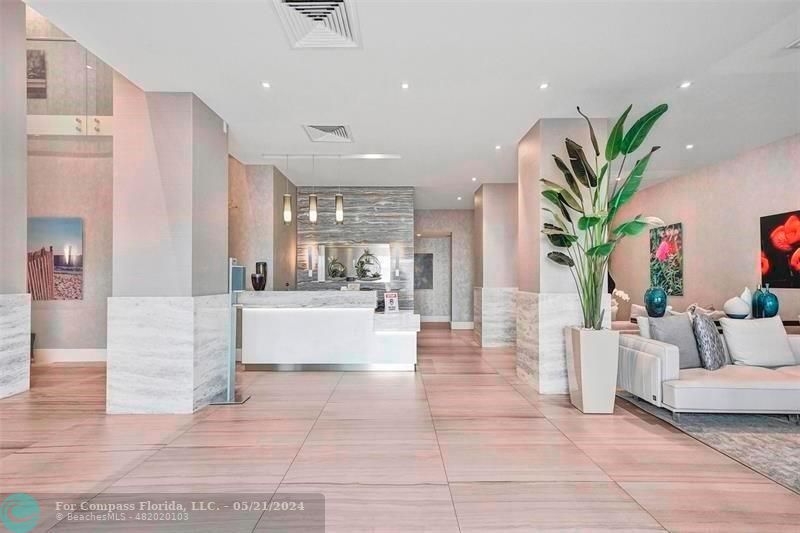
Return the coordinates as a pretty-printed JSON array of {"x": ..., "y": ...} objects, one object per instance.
[{"x": 592, "y": 359}]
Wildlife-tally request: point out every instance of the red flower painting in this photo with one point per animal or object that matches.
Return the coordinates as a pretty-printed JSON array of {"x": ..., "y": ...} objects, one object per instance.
[{"x": 780, "y": 250}]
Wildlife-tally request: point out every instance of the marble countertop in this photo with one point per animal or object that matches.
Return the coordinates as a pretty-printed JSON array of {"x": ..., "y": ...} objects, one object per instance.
[
  {"x": 308, "y": 299},
  {"x": 400, "y": 321}
]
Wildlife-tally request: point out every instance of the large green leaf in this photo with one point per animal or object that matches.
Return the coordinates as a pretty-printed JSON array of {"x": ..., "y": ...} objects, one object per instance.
[
  {"x": 601, "y": 250},
  {"x": 637, "y": 225},
  {"x": 591, "y": 133},
  {"x": 580, "y": 166},
  {"x": 570, "y": 179},
  {"x": 557, "y": 201},
  {"x": 561, "y": 259},
  {"x": 558, "y": 218},
  {"x": 631, "y": 184},
  {"x": 558, "y": 237},
  {"x": 614, "y": 144},
  {"x": 638, "y": 132},
  {"x": 586, "y": 222},
  {"x": 570, "y": 200}
]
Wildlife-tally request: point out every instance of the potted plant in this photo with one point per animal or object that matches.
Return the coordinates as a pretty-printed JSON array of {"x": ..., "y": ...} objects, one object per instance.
[{"x": 582, "y": 226}]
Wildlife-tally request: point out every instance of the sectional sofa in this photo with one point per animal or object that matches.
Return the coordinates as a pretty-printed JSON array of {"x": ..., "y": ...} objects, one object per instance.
[{"x": 650, "y": 370}]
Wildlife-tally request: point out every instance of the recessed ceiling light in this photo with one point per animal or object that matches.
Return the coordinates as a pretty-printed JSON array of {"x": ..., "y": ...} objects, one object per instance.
[
  {"x": 419, "y": 234},
  {"x": 689, "y": 146},
  {"x": 497, "y": 147},
  {"x": 685, "y": 85},
  {"x": 404, "y": 85},
  {"x": 459, "y": 198},
  {"x": 544, "y": 86},
  {"x": 90, "y": 67},
  {"x": 474, "y": 179},
  {"x": 265, "y": 84}
]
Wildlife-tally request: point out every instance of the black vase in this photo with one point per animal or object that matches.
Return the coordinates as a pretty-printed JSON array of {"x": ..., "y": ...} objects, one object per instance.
[
  {"x": 261, "y": 268},
  {"x": 259, "y": 281}
]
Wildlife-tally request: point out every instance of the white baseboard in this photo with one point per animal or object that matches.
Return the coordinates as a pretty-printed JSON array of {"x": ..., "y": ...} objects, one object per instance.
[
  {"x": 69, "y": 355},
  {"x": 462, "y": 325},
  {"x": 443, "y": 318}
]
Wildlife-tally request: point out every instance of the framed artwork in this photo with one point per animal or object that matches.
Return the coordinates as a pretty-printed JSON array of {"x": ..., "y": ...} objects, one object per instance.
[
  {"x": 780, "y": 250},
  {"x": 55, "y": 258},
  {"x": 423, "y": 271},
  {"x": 666, "y": 258},
  {"x": 37, "y": 74}
]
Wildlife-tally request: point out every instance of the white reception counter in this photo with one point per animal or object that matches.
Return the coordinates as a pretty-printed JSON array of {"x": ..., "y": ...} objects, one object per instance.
[{"x": 325, "y": 330}]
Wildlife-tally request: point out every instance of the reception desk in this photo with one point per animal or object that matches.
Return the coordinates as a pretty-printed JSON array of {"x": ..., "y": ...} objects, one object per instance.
[{"x": 325, "y": 330}]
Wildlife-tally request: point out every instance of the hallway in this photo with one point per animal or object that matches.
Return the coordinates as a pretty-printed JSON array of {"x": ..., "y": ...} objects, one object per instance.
[{"x": 460, "y": 445}]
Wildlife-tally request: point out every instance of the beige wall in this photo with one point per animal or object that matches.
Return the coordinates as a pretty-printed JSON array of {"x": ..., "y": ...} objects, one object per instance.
[
  {"x": 170, "y": 195},
  {"x": 209, "y": 201},
  {"x": 284, "y": 247},
  {"x": 72, "y": 177},
  {"x": 496, "y": 235},
  {"x": 256, "y": 231},
  {"x": 13, "y": 157},
  {"x": 720, "y": 207},
  {"x": 529, "y": 156},
  {"x": 459, "y": 223},
  {"x": 535, "y": 150}
]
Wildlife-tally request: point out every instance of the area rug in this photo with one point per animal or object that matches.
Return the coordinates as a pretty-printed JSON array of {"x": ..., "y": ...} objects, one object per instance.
[{"x": 768, "y": 444}]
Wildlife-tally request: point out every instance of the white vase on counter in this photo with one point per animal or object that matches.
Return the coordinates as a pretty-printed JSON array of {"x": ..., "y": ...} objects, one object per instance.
[{"x": 592, "y": 360}]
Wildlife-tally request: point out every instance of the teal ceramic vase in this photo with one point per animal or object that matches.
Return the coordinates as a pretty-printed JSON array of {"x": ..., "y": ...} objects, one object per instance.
[
  {"x": 757, "y": 307},
  {"x": 655, "y": 301},
  {"x": 769, "y": 304}
]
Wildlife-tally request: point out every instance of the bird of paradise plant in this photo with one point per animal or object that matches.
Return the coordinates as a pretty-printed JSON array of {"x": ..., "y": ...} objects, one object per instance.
[{"x": 583, "y": 224}]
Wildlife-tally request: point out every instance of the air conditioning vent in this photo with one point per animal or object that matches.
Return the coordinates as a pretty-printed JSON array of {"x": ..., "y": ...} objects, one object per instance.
[
  {"x": 794, "y": 45},
  {"x": 319, "y": 23},
  {"x": 329, "y": 134}
]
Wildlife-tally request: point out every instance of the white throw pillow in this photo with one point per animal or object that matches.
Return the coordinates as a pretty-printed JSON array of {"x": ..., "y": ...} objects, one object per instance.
[
  {"x": 757, "y": 342},
  {"x": 638, "y": 310}
]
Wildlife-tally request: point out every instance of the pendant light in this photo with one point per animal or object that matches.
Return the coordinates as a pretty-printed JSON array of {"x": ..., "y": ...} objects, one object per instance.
[
  {"x": 312, "y": 198},
  {"x": 287, "y": 199},
  {"x": 339, "y": 199}
]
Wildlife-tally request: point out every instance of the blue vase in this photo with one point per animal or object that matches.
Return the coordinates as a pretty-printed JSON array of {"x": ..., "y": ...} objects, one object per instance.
[
  {"x": 655, "y": 301},
  {"x": 757, "y": 307},
  {"x": 769, "y": 304}
]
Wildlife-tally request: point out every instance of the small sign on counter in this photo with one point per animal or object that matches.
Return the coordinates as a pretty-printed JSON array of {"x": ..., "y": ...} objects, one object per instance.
[{"x": 391, "y": 302}]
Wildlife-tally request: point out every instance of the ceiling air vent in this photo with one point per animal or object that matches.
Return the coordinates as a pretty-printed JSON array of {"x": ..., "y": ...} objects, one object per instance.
[
  {"x": 793, "y": 45},
  {"x": 319, "y": 23},
  {"x": 329, "y": 134}
]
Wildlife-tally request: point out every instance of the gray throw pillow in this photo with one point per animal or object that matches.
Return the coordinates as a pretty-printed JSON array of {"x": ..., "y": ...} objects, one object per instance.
[
  {"x": 677, "y": 330},
  {"x": 709, "y": 343}
]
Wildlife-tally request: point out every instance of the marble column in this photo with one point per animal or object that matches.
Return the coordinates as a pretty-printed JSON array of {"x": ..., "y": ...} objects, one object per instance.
[
  {"x": 495, "y": 253},
  {"x": 15, "y": 304},
  {"x": 168, "y": 317},
  {"x": 547, "y": 300}
]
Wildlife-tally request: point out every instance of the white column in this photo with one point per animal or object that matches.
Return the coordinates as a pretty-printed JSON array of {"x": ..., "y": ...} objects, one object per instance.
[
  {"x": 15, "y": 304},
  {"x": 168, "y": 316},
  {"x": 547, "y": 300}
]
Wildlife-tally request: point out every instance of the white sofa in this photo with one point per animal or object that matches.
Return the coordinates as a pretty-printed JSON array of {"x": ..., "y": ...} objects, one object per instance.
[{"x": 649, "y": 369}]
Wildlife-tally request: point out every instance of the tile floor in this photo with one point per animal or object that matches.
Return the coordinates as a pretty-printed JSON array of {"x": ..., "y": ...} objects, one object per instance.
[{"x": 462, "y": 445}]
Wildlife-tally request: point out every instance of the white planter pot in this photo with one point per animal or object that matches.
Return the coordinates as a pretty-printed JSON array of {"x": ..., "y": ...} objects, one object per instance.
[{"x": 592, "y": 359}]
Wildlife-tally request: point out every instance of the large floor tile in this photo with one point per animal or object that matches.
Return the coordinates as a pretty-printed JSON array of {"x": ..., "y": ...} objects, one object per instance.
[
  {"x": 251, "y": 470},
  {"x": 237, "y": 433},
  {"x": 728, "y": 507},
  {"x": 501, "y": 507},
  {"x": 368, "y": 452},
  {"x": 379, "y": 508}
]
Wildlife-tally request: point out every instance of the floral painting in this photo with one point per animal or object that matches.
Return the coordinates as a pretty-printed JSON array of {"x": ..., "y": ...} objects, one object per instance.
[
  {"x": 666, "y": 258},
  {"x": 780, "y": 250}
]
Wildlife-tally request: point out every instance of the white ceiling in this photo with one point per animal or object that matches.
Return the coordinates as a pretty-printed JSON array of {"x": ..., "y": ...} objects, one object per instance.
[{"x": 474, "y": 69}]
